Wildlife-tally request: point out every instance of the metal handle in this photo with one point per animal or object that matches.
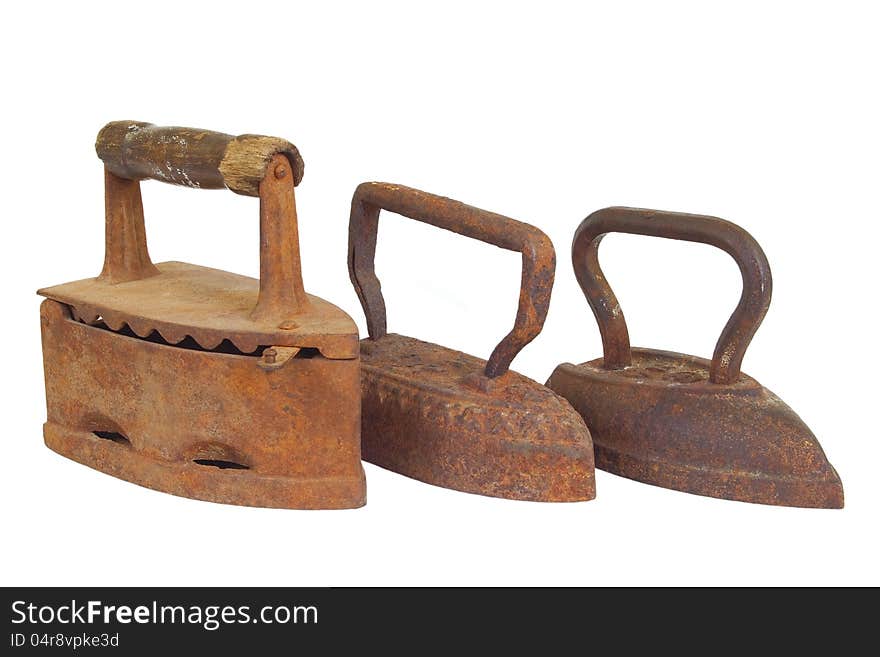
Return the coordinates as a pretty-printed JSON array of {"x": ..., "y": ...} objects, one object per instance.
[
  {"x": 743, "y": 322},
  {"x": 538, "y": 257},
  {"x": 191, "y": 157}
]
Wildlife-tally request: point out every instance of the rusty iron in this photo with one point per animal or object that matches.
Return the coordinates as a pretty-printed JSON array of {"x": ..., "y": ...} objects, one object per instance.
[
  {"x": 683, "y": 422},
  {"x": 448, "y": 418},
  {"x": 195, "y": 381}
]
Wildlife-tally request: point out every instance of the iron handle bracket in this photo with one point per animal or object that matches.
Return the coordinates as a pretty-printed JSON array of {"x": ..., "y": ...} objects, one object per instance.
[
  {"x": 538, "y": 257},
  {"x": 727, "y": 236}
]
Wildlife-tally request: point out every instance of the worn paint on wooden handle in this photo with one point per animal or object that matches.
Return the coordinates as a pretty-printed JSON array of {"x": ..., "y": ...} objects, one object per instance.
[{"x": 192, "y": 157}]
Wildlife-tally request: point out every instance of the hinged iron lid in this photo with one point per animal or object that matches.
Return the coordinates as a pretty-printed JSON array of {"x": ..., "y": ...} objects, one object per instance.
[{"x": 178, "y": 299}]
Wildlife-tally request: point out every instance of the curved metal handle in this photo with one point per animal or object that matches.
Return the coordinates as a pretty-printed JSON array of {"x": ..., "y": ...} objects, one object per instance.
[
  {"x": 135, "y": 150},
  {"x": 743, "y": 322},
  {"x": 538, "y": 257}
]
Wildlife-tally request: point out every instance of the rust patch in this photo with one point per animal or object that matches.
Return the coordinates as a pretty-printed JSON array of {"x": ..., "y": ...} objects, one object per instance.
[{"x": 429, "y": 413}]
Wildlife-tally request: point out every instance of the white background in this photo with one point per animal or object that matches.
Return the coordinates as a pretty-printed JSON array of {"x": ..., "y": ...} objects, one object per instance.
[{"x": 762, "y": 113}]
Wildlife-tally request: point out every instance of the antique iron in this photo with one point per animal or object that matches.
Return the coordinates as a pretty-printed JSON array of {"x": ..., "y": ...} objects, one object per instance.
[
  {"x": 448, "y": 418},
  {"x": 195, "y": 381},
  {"x": 683, "y": 422}
]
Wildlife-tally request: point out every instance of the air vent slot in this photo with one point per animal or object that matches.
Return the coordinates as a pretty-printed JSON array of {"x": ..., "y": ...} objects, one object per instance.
[
  {"x": 221, "y": 464},
  {"x": 113, "y": 436}
]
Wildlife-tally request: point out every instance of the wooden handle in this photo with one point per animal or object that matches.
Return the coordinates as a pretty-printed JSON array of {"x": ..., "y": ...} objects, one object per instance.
[{"x": 191, "y": 157}]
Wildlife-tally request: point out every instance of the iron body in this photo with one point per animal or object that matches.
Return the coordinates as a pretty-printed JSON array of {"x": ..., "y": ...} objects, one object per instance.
[
  {"x": 448, "y": 418},
  {"x": 196, "y": 381},
  {"x": 679, "y": 421}
]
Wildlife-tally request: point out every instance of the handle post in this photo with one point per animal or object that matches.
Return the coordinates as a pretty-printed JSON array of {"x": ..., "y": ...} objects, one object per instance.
[
  {"x": 125, "y": 239},
  {"x": 281, "y": 286}
]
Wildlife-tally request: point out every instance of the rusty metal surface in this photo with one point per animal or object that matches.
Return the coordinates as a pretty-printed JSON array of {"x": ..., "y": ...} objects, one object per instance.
[
  {"x": 427, "y": 416},
  {"x": 448, "y": 418},
  {"x": 146, "y": 412},
  {"x": 199, "y": 382},
  {"x": 208, "y": 305},
  {"x": 683, "y": 422}
]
